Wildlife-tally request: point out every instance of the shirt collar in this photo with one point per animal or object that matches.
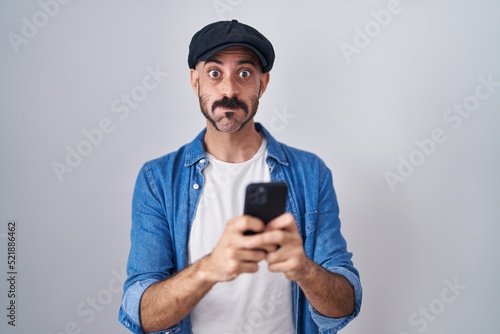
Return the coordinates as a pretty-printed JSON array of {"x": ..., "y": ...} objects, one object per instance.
[{"x": 195, "y": 150}]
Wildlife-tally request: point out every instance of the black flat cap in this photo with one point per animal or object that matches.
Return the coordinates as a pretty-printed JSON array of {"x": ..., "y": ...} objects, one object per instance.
[{"x": 220, "y": 35}]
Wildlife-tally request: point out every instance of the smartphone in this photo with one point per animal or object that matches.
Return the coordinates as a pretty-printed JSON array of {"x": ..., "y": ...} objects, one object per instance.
[{"x": 265, "y": 201}]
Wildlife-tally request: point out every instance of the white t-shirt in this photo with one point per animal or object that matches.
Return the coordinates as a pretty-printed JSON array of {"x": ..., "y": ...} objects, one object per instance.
[{"x": 252, "y": 303}]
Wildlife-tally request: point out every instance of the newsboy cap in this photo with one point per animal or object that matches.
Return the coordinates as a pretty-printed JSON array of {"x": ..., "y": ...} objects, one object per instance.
[{"x": 220, "y": 35}]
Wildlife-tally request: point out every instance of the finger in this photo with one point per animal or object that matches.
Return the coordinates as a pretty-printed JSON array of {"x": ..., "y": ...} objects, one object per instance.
[
  {"x": 285, "y": 221},
  {"x": 267, "y": 248},
  {"x": 278, "y": 266},
  {"x": 266, "y": 240},
  {"x": 249, "y": 267},
  {"x": 241, "y": 224},
  {"x": 283, "y": 263},
  {"x": 254, "y": 242},
  {"x": 231, "y": 269},
  {"x": 254, "y": 255},
  {"x": 281, "y": 254},
  {"x": 275, "y": 237}
]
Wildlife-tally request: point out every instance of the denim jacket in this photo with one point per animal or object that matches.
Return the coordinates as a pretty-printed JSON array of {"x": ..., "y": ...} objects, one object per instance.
[{"x": 164, "y": 204}]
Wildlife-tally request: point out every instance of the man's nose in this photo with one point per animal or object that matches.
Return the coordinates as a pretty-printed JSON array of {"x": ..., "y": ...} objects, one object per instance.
[{"x": 229, "y": 87}]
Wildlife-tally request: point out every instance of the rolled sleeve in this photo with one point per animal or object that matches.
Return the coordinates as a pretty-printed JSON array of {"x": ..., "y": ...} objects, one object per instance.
[
  {"x": 328, "y": 325},
  {"x": 129, "y": 311}
]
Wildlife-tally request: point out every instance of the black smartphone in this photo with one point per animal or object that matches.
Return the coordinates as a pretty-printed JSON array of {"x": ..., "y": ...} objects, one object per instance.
[{"x": 265, "y": 201}]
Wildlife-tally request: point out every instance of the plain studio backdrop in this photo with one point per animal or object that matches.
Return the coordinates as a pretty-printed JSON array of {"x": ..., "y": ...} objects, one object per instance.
[{"x": 401, "y": 99}]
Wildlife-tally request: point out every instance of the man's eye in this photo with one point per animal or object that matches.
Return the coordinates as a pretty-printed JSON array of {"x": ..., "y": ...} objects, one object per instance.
[
  {"x": 214, "y": 74},
  {"x": 244, "y": 74}
]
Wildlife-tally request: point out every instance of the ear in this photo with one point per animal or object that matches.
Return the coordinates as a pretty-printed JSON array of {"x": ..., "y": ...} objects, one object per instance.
[
  {"x": 264, "y": 80},
  {"x": 194, "y": 76}
]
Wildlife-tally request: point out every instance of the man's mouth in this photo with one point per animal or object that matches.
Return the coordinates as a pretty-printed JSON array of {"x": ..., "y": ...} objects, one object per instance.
[{"x": 228, "y": 112}]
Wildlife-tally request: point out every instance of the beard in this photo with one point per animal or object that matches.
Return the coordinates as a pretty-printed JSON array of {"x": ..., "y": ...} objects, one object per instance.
[{"x": 228, "y": 121}]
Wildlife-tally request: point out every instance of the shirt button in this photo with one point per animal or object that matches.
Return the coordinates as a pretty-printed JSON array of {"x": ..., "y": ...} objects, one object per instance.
[
  {"x": 202, "y": 161},
  {"x": 196, "y": 186}
]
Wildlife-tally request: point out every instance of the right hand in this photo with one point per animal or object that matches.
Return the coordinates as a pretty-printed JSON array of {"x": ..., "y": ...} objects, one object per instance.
[{"x": 230, "y": 257}]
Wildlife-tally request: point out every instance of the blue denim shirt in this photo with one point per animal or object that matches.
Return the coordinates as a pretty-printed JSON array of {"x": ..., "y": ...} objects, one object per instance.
[{"x": 164, "y": 205}]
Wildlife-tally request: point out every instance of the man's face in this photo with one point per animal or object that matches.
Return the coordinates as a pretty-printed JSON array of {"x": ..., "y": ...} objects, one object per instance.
[{"x": 229, "y": 86}]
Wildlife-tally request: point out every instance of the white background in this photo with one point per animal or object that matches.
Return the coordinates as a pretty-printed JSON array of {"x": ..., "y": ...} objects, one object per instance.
[{"x": 361, "y": 113}]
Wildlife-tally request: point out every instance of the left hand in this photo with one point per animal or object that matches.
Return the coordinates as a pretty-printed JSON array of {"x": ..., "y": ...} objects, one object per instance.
[{"x": 289, "y": 257}]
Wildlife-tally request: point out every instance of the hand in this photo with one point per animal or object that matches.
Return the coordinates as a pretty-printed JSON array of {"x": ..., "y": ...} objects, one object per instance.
[
  {"x": 230, "y": 256},
  {"x": 287, "y": 254}
]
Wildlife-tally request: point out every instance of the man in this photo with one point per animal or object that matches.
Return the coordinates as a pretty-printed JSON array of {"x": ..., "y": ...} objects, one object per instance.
[{"x": 191, "y": 268}]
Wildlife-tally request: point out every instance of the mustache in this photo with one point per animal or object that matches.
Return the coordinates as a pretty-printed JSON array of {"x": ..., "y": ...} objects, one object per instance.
[{"x": 230, "y": 103}]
